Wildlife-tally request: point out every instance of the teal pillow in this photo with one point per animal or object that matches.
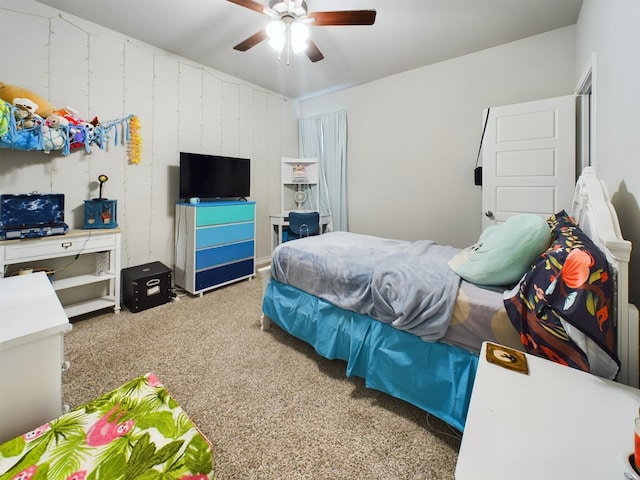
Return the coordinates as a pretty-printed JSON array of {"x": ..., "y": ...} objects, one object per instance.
[{"x": 504, "y": 252}]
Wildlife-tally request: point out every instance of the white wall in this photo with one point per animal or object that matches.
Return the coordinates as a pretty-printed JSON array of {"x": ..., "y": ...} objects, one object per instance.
[
  {"x": 413, "y": 137},
  {"x": 610, "y": 31},
  {"x": 182, "y": 106}
]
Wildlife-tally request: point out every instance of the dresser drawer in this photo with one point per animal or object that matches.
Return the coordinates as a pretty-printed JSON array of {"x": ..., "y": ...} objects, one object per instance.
[
  {"x": 216, "y": 215},
  {"x": 210, "y": 257},
  {"x": 58, "y": 247},
  {"x": 221, "y": 234},
  {"x": 224, "y": 274}
]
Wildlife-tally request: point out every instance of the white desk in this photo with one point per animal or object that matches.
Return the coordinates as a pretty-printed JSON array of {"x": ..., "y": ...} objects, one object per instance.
[
  {"x": 281, "y": 220},
  {"x": 32, "y": 324},
  {"x": 554, "y": 423}
]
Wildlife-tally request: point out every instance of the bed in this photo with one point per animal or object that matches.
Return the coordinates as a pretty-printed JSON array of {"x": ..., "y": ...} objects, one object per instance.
[{"x": 431, "y": 364}]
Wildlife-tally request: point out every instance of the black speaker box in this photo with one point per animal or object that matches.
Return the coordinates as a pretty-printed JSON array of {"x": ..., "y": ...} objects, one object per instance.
[{"x": 146, "y": 286}]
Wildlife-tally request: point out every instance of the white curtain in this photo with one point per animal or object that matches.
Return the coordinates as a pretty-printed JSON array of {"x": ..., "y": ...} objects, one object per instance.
[{"x": 325, "y": 137}]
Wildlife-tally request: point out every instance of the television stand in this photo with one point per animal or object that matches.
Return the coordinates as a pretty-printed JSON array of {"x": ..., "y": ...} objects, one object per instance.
[{"x": 97, "y": 253}]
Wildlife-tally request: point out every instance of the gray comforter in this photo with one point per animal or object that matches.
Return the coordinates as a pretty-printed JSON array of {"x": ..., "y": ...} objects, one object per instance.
[{"x": 406, "y": 284}]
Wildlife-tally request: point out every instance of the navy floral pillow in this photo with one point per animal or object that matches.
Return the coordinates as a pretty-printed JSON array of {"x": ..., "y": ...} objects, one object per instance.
[{"x": 570, "y": 282}]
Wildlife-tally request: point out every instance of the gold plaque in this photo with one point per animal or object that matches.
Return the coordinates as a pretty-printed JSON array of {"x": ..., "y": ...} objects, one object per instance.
[{"x": 507, "y": 357}]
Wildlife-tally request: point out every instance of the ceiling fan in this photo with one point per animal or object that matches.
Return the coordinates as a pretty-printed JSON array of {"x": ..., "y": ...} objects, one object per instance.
[{"x": 289, "y": 25}]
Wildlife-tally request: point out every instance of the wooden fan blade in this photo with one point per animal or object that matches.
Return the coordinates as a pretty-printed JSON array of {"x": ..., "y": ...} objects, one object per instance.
[
  {"x": 313, "y": 52},
  {"x": 252, "y": 41},
  {"x": 346, "y": 17},
  {"x": 250, "y": 4}
]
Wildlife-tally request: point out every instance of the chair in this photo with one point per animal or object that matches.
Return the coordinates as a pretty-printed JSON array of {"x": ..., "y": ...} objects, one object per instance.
[{"x": 303, "y": 224}]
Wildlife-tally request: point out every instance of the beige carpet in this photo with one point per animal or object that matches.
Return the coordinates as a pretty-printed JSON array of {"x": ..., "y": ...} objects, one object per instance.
[{"x": 271, "y": 406}]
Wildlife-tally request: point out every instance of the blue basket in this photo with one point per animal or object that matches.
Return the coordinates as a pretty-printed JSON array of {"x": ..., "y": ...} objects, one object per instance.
[{"x": 100, "y": 213}]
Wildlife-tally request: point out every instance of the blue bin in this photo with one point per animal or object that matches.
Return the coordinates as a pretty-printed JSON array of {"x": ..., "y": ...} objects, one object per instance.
[{"x": 100, "y": 213}]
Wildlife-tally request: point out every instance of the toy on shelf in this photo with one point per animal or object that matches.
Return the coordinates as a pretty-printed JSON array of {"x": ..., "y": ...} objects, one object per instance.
[
  {"x": 10, "y": 94},
  {"x": 24, "y": 117},
  {"x": 55, "y": 132},
  {"x": 29, "y": 122}
]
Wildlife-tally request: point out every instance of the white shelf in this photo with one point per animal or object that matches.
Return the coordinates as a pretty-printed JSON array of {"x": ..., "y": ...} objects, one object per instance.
[
  {"x": 294, "y": 161},
  {"x": 81, "y": 280},
  {"x": 87, "y": 306},
  {"x": 289, "y": 184}
]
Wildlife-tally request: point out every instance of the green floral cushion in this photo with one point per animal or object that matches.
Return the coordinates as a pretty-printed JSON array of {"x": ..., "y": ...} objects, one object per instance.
[{"x": 137, "y": 431}]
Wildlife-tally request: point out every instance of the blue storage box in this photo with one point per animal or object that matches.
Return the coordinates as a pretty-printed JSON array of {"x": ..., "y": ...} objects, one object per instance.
[{"x": 100, "y": 213}]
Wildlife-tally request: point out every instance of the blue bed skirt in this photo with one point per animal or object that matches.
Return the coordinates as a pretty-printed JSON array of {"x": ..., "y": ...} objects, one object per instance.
[{"x": 436, "y": 377}]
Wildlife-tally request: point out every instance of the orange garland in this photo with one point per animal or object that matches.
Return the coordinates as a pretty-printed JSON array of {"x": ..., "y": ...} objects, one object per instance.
[{"x": 135, "y": 140}]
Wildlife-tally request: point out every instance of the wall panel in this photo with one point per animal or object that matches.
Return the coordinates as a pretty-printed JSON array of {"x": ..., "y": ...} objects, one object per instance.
[{"x": 180, "y": 104}]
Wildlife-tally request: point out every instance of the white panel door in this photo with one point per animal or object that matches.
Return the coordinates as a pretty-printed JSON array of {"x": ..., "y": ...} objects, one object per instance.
[{"x": 529, "y": 159}]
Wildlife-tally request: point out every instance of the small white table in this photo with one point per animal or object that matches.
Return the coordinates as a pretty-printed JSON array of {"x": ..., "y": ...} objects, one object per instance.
[
  {"x": 554, "y": 423},
  {"x": 32, "y": 324},
  {"x": 281, "y": 220}
]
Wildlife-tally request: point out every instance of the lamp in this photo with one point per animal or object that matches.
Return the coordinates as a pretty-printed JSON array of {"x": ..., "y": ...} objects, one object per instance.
[
  {"x": 102, "y": 178},
  {"x": 287, "y": 31}
]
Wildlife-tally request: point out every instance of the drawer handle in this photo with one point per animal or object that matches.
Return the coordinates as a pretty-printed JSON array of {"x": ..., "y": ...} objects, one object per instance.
[{"x": 67, "y": 244}]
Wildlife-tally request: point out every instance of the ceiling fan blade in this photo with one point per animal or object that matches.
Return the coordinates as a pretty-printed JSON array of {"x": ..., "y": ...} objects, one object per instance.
[
  {"x": 314, "y": 54},
  {"x": 346, "y": 17},
  {"x": 252, "y": 41},
  {"x": 250, "y": 4}
]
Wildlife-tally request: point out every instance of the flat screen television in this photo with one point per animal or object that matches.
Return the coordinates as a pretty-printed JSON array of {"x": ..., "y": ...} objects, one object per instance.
[{"x": 210, "y": 177}]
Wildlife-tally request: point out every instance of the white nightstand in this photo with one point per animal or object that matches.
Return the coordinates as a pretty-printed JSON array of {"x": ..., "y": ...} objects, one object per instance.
[
  {"x": 32, "y": 324},
  {"x": 554, "y": 423}
]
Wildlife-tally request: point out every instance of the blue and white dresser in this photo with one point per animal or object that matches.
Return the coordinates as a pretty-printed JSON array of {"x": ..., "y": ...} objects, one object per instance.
[{"x": 215, "y": 244}]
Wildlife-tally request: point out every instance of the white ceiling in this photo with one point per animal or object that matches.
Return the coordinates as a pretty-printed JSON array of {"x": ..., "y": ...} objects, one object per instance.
[{"x": 407, "y": 34}]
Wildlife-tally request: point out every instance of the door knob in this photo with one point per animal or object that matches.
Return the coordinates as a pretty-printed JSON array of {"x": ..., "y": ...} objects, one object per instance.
[{"x": 489, "y": 214}]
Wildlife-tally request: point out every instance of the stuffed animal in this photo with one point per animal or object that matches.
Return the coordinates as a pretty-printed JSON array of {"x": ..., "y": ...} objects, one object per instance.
[
  {"x": 99, "y": 135},
  {"x": 5, "y": 115},
  {"x": 55, "y": 133},
  {"x": 71, "y": 114},
  {"x": 56, "y": 121},
  {"x": 26, "y": 103},
  {"x": 24, "y": 118},
  {"x": 76, "y": 133},
  {"x": 9, "y": 92},
  {"x": 89, "y": 131}
]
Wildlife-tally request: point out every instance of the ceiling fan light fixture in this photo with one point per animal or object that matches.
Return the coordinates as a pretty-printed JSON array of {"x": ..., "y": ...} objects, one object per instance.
[
  {"x": 277, "y": 33},
  {"x": 290, "y": 25},
  {"x": 299, "y": 36}
]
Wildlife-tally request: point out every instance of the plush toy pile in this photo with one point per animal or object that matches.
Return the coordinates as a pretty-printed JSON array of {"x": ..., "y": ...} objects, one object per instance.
[{"x": 30, "y": 122}]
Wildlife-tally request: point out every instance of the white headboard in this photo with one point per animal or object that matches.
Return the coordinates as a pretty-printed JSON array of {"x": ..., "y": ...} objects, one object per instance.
[{"x": 596, "y": 216}]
